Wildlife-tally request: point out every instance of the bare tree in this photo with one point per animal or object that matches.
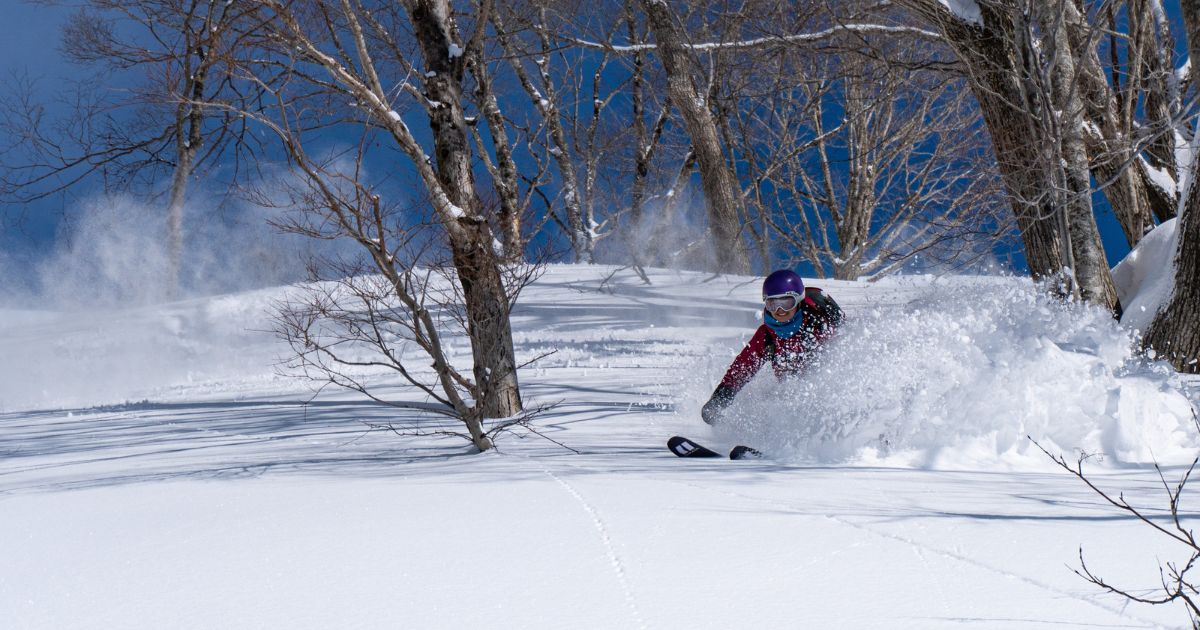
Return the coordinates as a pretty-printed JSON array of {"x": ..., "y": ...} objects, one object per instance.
[
  {"x": 329, "y": 53},
  {"x": 544, "y": 97},
  {"x": 631, "y": 164},
  {"x": 180, "y": 53},
  {"x": 1151, "y": 75},
  {"x": 729, "y": 56},
  {"x": 395, "y": 308},
  {"x": 1132, "y": 108},
  {"x": 503, "y": 169},
  {"x": 588, "y": 84},
  {"x": 647, "y": 137},
  {"x": 865, "y": 164},
  {"x": 1132, "y": 155}
]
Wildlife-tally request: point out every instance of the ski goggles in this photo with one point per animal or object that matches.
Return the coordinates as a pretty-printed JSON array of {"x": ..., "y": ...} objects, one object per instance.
[{"x": 782, "y": 302}]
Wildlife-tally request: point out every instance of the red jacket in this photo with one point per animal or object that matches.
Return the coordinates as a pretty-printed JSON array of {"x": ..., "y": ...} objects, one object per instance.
[{"x": 787, "y": 356}]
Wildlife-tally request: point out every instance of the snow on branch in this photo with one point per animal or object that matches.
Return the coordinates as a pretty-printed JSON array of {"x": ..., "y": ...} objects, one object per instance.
[
  {"x": 965, "y": 10},
  {"x": 773, "y": 40}
]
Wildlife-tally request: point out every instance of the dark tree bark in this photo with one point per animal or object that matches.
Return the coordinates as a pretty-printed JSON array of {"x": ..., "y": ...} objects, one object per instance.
[
  {"x": 1039, "y": 150},
  {"x": 1175, "y": 331},
  {"x": 471, "y": 238},
  {"x": 721, "y": 193}
]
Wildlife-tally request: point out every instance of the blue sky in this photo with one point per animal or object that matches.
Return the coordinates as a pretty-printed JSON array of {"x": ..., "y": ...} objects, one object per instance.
[
  {"x": 29, "y": 36},
  {"x": 27, "y": 32}
]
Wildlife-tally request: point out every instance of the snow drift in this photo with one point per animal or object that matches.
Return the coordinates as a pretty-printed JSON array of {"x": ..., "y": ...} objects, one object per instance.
[{"x": 1145, "y": 278}]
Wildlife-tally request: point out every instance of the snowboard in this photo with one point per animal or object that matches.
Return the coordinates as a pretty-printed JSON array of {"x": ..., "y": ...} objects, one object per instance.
[{"x": 683, "y": 447}]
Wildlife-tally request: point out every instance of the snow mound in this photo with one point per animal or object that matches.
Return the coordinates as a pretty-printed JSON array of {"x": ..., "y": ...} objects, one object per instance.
[
  {"x": 964, "y": 376},
  {"x": 1146, "y": 276}
]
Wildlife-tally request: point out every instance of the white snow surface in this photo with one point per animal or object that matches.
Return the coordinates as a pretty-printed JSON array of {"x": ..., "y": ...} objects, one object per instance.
[{"x": 158, "y": 472}]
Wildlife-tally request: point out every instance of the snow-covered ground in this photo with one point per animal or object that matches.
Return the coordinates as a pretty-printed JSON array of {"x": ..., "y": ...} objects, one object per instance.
[{"x": 158, "y": 471}]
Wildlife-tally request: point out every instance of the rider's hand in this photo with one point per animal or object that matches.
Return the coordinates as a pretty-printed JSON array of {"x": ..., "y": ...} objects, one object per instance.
[{"x": 721, "y": 398}]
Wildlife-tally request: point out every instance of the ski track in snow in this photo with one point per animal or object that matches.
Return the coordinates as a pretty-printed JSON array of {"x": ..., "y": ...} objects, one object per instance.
[
  {"x": 918, "y": 547},
  {"x": 614, "y": 559},
  {"x": 915, "y": 544},
  {"x": 943, "y": 599}
]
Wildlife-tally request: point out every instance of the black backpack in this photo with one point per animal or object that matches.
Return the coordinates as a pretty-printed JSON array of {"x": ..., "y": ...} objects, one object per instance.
[{"x": 825, "y": 313}]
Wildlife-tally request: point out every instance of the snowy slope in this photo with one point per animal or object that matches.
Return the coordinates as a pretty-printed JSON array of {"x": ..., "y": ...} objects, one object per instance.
[{"x": 158, "y": 472}]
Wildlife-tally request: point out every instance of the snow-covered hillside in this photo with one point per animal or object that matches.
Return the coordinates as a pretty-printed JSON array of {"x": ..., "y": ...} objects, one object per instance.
[{"x": 158, "y": 470}]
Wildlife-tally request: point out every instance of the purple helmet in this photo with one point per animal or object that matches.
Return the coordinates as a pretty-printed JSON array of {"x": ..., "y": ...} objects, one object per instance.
[{"x": 781, "y": 282}]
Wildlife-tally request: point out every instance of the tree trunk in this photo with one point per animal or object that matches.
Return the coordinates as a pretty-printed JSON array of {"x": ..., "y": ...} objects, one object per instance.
[
  {"x": 1162, "y": 100},
  {"x": 189, "y": 127},
  {"x": 995, "y": 72},
  {"x": 188, "y": 141},
  {"x": 505, "y": 177},
  {"x": 471, "y": 239},
  {"x": 854, "y": 225},
  {"x": 721, "y": 195},
  {"x": 1110, "y": 141},
  {"x": 647, "y": 141},
  {"x": 1046, "y": 186},
  {"x": 1175, "y": 331},
  {"x": 1088, "y": 261}
]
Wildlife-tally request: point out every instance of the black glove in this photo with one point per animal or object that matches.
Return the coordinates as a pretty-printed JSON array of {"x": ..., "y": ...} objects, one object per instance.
[{"x": 720, "y": 399}]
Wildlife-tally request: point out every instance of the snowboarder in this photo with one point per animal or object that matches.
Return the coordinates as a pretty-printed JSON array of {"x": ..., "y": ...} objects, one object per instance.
[{"x": 795, "y": 321}]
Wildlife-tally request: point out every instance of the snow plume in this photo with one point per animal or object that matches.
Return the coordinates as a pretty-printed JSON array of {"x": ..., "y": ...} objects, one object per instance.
[
  {"x": 113, "y": 252},
  {"x": 672, "y": 233},
  {"x": 961, "y": 375},
  {"x": 13, "y": 283}
]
